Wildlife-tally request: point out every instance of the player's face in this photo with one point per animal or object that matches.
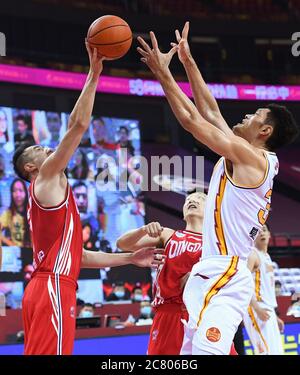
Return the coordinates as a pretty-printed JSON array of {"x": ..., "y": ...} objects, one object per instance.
[
  {"x": 18, "y": 194},
  {"x": 194, "y": 206},
  {"x": 251, "y": 125},
  {"x": 263, "y": 236},
  {"x": 38, "y": 154}
]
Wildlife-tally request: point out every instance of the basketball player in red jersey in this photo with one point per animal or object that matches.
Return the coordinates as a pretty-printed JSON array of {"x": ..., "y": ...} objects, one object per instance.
[
  {"x": 182, "y": 250},
  {"x": 49, "y": 301}
]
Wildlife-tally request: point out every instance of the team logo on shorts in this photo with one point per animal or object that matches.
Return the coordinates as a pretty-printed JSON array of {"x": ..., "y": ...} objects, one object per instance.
[{"x": 213, "y": 334}]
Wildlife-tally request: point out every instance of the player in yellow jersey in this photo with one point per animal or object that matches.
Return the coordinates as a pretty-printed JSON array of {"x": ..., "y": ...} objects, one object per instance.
[{"x": 220, "y": 287}]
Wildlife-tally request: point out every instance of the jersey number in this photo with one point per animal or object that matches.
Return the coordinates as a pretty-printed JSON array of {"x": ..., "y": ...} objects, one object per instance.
[{"x": 263, "y": 214}]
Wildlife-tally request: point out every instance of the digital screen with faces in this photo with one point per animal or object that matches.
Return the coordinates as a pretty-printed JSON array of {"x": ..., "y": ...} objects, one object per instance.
[{"x": 108, "y": 153}]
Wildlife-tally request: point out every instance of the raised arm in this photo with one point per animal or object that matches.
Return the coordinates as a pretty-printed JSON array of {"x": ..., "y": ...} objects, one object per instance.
[
  {"x": 79, "y": 121},
  {"x": 152, "y": 234},
  {"x": 204, "y": 100},
  {"x": 232, "y": 147}
]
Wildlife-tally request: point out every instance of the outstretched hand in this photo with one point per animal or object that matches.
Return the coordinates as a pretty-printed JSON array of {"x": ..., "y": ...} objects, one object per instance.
[
  {"x": 148, "y": 257},
  {"x": 183, "y": 47},
  {"x": 96, "y": 60},
  {"x": 156, "y": 60}
]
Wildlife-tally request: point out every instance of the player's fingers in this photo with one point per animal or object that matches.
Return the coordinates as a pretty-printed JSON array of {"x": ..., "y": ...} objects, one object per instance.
[
  {"x": 87, "y": 46},
  {"x": 156, "y": 263},
  {"x": 159, "y": 251},
  {"x": 267, "y": 316},
  {"x": 144, "y": 44},
  {"x": 173, "y": 51},
  {"x": 153, "y": 40},
  {"x": 159, "y": 257},
  {"x": 142, "y": 52},
  {"x": 157, "y": 227},
  {"x": 95, "y": 53},
  {"x": 173, "y": 44},
  {"x": 185, "y": 30},
  {"x": 149, "y": 248},
  {"x": 178, "y": 36},
  {"x": 151, "y": 230},
  {"x": 144, "y": 60}
]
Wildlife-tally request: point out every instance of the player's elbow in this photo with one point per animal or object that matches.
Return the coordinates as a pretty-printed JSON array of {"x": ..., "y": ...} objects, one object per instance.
[
  {"x": 187, "y": 123},
  {"x": 78, "y": 123}
]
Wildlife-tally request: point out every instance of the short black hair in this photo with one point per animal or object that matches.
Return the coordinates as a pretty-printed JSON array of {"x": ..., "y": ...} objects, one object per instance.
[
  {"x": 20, "y": 118},
  {"x": 268, "y": 227},
  {"x": 87, "y": 304},
  {"x": 19, "y": 161},
  {"x": 285, "y": 129},
  {"x": 78, "y": 184},
  {"x": 124, "y": 128}
]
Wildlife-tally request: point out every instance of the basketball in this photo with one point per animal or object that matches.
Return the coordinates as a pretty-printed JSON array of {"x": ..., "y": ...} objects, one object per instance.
[{"x": 111, "y": 35}]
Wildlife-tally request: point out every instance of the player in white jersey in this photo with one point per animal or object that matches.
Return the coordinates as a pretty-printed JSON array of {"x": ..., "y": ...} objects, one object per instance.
[
  {"x": 219, "y": 289},
  {"x": 261, "y": 322}
]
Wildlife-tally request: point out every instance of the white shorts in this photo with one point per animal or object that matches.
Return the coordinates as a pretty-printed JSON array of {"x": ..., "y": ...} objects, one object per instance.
[
  {"x": 217, "y": 295},
  {"x": 264, "y": 336}
]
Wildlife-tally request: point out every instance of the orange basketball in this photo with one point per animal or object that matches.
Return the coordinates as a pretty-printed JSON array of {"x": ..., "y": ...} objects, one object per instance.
[{"x": 111, "y": 35}]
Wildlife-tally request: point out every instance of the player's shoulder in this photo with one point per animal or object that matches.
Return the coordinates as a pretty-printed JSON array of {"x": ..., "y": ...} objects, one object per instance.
[
  {"x": 254, "y": 254},
  {"x": 168, "y": 231}
]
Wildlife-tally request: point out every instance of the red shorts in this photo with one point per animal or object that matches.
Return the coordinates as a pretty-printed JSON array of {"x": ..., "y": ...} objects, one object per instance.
[
  {"x": 167, "y": 331},
  {"x": 49, "y": 313}
]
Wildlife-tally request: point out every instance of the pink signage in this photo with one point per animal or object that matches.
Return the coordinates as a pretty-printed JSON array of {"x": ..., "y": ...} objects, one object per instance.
[{"x": 141, "y": 87}]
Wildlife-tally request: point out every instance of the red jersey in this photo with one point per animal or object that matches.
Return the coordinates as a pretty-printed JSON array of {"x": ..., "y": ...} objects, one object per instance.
[
  {"x": 56, "y": 235},
  {"x": 183, "y": 249}
]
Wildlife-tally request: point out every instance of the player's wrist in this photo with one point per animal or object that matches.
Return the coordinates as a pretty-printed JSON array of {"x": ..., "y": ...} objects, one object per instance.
[
  {"x": 189, "y": 61},
  {"x": 162, "y": 73},
  {"x": 131, "y": 258},
  {"x": 93, "y": 76}
]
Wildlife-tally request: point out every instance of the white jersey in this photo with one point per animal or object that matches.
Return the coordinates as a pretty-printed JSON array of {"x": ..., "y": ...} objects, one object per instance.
[
  {"x": 264, "y": 280},
  {"x": 235, "y": 214},
  {"x": 264, "y": 335}
]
